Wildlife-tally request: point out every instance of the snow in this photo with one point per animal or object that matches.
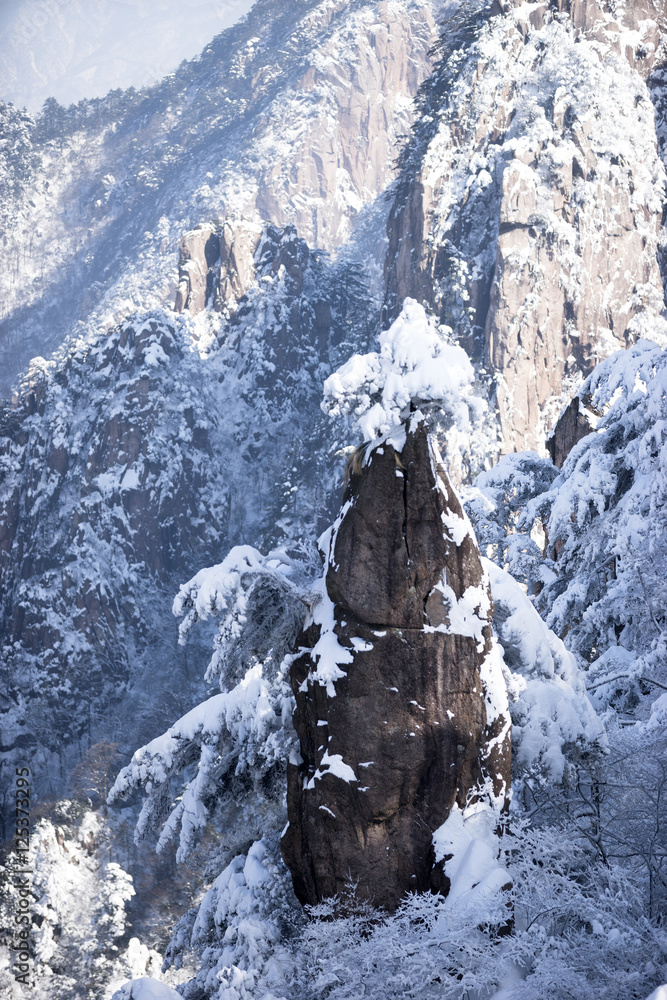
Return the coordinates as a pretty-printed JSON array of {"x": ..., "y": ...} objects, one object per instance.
[
  {"x": 212, "y": 590},
  {"x": 242, "y": 913},
  {"x": 456, "y": 527},
  {"x": 469, "y": 842},
  {"x": 146, "y": 988},
  {"x": 332, "y": 764},
  {"x": 494, "y": 686},
  {"x": 659, "y": 994},
  {"x": 415, "y": 367},
  {"x": 327, "y": 653},
  {"x": 467, "y": 615},
  {"x": 549, "y": 705}
]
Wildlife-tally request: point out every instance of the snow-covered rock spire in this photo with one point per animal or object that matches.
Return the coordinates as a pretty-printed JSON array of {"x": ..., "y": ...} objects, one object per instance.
[{"x": 401, "y": 708}]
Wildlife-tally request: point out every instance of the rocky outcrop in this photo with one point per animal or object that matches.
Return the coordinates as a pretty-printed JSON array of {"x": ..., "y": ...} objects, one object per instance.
[
  {"x": 216, "y": 266},
  {"x": 411, "y": 724},
  {"x": 530, "y": 209},
  {"x": 358, "y": 90},
  {"x": 199, "y": 255},
  {"x": 572, "y": 425}
]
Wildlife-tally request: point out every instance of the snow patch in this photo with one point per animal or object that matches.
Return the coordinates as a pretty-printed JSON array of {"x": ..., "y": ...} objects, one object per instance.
[{"x": 469, "y": 843}]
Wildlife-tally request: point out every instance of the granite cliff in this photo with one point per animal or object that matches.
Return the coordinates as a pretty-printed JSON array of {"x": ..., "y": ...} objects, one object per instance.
[
  {"x": 417, "y": 721},
  {"x": 294, "y": 116},
  {"x": 529, "y": 210}
]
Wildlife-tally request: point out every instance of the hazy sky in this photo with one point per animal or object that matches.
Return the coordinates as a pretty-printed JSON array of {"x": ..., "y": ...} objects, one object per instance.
[{"x": 69, "y": 49}]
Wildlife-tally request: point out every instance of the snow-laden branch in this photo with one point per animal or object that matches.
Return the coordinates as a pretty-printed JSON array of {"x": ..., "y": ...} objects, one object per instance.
[
  {"x": 241, "y": 735},
  {"x": 235, "y": 731},
  {"x": 216, "y": 589},
  {"x": 257, "y": 606}
]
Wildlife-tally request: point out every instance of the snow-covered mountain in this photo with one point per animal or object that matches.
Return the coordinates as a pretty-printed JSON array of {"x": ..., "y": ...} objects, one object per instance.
[
  {"x": 200, "y": 257},
  {"x": 529, "y": 209},
  {"x": 292, "y": 116},
  {"x": 71, "y": 49}
]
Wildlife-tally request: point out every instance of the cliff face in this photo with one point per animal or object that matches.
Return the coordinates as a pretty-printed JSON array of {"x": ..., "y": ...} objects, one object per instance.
[
  {"x": 531, "y": 200},
  {"x": 402, "y": 732},
  {"x": 331, "y": 142}
]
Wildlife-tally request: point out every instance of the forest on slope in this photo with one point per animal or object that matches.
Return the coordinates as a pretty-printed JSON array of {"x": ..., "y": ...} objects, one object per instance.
[{"x": 497, "y": 270}]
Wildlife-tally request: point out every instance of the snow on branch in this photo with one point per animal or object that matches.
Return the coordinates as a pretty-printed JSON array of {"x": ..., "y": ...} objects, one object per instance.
[
  {"x": 242, "y": 730},
  {"x": 213, "y": 589},
  {"x": 258, "y": 608},
  {"x": 415, "y": 369},
  {"x": 239, "y": 737},
  {"x": 617, "y": 378}
]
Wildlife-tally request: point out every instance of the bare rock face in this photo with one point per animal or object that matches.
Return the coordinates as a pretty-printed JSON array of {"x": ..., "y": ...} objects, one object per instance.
[
  {"x": 390, "y": 742},
  {"x": 571, "y": 427},
  {"x": 237, "y": 268},
  {"x": 358, "y": 91},
  {"x": 216, "y": 266},
  {"x": 199, "y": 253},
  {"x": 529, "y": 220}
]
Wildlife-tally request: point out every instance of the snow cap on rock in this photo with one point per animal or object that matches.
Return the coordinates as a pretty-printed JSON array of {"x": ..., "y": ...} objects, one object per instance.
[{"x": 415, "y": 368}]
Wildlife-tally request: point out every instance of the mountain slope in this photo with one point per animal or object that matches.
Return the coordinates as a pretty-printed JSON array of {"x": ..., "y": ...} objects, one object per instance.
[
  {"x": 134, "y": 458},
  {"x": 293, "y": 116}
]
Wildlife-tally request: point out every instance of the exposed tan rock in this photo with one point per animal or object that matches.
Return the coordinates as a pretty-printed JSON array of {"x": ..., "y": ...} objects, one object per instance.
[
  {"x": 532, "y": 225},
  {"x": 405, "y": 731},
  {"x": 237, "y": 269},
  {"x": 199, "y": 253},
  {"x": 342, "y": 151},
  {"x": 216, "y": 266}
]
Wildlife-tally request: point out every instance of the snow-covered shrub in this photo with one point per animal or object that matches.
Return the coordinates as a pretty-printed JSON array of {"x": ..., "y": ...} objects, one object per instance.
[
  {"x": 416, "y": 368},
  {"x": 606, "y": 532},
  {"x": 579, "y": 932},
  {"x": 244, "y": 925},
  {"x": 496, "y": 504},
  {"x": 600, "y": 579},
  {"x": 146, "y": 988},
  {"x": 79, "y": 911},
  {"x": 257, "y": 606},
  {"x": 551, "y": 711}
]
